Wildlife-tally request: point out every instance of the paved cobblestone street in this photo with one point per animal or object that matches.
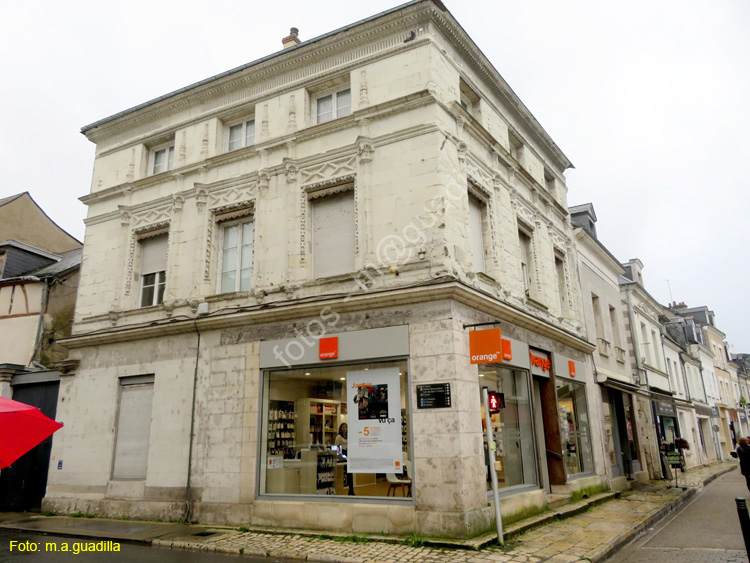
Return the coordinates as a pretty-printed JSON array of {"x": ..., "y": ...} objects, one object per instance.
[{"x": 591, "y": 536}]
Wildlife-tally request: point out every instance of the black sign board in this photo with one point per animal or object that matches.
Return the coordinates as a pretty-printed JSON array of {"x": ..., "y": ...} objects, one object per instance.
[{"x": 434, "y": 396}]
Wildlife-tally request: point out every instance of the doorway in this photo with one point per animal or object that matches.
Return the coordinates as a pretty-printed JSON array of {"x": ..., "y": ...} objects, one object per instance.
[{"x": 24, "y": 483}]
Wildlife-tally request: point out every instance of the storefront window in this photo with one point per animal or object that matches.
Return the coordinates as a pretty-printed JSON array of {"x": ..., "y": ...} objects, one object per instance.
[
  {"x": 574, "y": 427},
  {"x": 310, "y": 430},
  {"x": 513, "y": 452}
]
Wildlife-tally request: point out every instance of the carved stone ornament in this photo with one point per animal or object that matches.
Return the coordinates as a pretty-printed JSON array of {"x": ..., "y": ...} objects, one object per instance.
[
  {"x": 365, "y": 150},
  {"x": 462, "y": 150},
  {"x": 291, "y": 169},
  {"x": 201, "y": 197},
  {"x": 329, "y": 170},
  {"x": 178, "y": 202},
  {"x": 124, "y": 218},
  {"x": 292, "y": 114},
  {"x": 264, "y": 179},
  {"x": 363, "y": 101},
  {"x": 193, "y": 303}
]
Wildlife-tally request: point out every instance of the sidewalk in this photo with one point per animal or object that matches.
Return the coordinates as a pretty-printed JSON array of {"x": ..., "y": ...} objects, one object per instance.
[{"x": 592, "y": 534}]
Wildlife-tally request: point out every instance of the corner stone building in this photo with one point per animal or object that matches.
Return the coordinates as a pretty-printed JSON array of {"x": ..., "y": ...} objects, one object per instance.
[{"x": 381, "y": 186}]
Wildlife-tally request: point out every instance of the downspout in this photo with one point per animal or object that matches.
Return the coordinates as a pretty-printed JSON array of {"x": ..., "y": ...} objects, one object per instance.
[
  {"x": 639, "y": 368},
  {"x": 188, "y": 500},
  {"x": 40, "y": 324}
]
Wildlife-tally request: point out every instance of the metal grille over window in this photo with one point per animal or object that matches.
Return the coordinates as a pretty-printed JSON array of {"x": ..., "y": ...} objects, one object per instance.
[{"x": 333, "y": 234}]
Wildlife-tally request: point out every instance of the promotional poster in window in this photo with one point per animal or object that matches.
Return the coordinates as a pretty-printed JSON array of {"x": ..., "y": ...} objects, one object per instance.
[{"x": 375, "y": 431}]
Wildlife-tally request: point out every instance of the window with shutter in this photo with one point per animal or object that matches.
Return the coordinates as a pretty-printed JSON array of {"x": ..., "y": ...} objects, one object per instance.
[
  {"x": 333, "y": 234},
  {"x": 476, "y": 232},
  {"x": 153, "y": 269},
  {"x": 133, "y": 427}
]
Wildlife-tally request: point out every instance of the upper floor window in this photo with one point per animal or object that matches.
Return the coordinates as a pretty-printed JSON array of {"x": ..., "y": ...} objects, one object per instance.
[
  {"x": 333, "y": 234},
  {"x": 242, "y": 135},
  {"x": 468, "y": 99},
  {"x": 525, "y": 244},
  {"x": 476, "y": 232},
  {"x": 333, "y": 105},
  {"x": 561, "y": 286},
  {"x": 162, "y": 158},
  {"x": 153, "y": 269},
  {"x": 237, "y": 255}
]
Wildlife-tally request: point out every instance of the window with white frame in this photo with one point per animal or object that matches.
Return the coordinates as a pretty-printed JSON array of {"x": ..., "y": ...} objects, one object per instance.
[
  {"x": 333, "y": 105},
  {"x": 237, "y": 255},
  {"x": 242, "y": 134},
  {"x": 133, "y": 427},
  {"x": 477, "y": 210},
  {"x": 333, "y": 234},
  {"x": 162, "y": 158},
  {"x": 153, "y": 269}
]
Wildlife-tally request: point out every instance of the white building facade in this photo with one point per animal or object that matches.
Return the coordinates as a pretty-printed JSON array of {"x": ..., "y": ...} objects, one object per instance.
[{"x": 307, "y": 241}]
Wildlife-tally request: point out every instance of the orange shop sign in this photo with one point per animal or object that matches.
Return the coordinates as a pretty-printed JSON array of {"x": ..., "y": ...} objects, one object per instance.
[
  {"x": 543, "y": 363},
  {"x": 485, "y": 346},
  {"x": 328, "y": 348}
]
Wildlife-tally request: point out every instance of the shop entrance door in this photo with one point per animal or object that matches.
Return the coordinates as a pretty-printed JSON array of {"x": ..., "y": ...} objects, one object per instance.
[
  {"x": 541, "y": 446},
  {"x": 551, "y": 456}
]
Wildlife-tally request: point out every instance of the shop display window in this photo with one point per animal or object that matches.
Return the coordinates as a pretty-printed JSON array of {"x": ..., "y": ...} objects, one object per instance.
[
  {"x": 513, "y": 452},
  {"x": 307, "y": 418},
  {"x": 574, "y": 427}
]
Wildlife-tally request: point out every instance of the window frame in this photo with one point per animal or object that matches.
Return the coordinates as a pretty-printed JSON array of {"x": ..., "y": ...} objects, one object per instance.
[
  {"x": 527, "y": 250},
  {"x": 334, "y": 93},
  {"x": 249, "y": 218},
  {"x": 169, "y": 148},
  {"x": 131, "y": 381},
  {"x": 243, "y": 122},
  {"x": 483, "y": 207},
  {"x": 316, "y": 198},
  {"x": 160, "y": 276}
]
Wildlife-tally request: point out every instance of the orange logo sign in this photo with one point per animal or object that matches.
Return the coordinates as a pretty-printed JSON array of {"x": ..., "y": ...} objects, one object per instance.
[
  {"x": 485, "y": 346},
  {"x": 328, "y": 348},
  {"x": 572, "y": 368},
  {"x": 507, "y": 350},
  {"x": 542, "y": 363}
]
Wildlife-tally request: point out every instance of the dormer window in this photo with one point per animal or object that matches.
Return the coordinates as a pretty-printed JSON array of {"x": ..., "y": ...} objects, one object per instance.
[
  {"x": 242, "y": 134},
  {"x": 333, "y": 105},
  {"x": 162, "y": 158}
]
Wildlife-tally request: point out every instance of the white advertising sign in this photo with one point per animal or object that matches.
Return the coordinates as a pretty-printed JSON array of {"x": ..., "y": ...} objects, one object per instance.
[{"x": 374, "y": 407}]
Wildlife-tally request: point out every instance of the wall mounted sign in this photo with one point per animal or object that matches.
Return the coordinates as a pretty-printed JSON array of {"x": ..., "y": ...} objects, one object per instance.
[
  {"x": 572, "y": 368},
  {"x": 434, "y": 396},
  {"x": 485, "y": 346},
  {"x": 328, "y": 348},
  {"x": 542, "y": 363},
  {"x": 507, "y": 350}
]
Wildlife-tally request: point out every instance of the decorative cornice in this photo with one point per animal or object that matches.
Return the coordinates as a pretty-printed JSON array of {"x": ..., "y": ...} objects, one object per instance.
[{"x": 291, "y": 310}]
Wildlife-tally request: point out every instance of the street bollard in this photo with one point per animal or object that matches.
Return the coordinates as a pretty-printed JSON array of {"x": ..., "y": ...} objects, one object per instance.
[{"x": 744, "y": 521}]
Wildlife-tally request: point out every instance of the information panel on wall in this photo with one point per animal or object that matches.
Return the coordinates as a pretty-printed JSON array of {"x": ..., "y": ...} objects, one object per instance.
[{"x": 374, "y": 406}]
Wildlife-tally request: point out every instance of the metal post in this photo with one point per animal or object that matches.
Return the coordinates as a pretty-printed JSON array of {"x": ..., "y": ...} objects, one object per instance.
[
  {"x": 744, "y": 521},
  {"x": 491, "y": 468}
]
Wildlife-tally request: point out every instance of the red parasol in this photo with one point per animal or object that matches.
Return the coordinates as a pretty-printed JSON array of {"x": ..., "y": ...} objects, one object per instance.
[{"x": 21, "y": 428}]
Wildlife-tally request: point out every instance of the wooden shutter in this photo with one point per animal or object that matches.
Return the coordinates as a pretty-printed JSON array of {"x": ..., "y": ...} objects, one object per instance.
[
  {"x": 133, "y": 430},
  {"x": 333, "y": 234}
]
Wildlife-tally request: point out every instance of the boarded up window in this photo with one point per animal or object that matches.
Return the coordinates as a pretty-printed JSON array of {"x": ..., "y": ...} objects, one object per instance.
[
  {"x": 476, "y": 229},
  {"x": 133, "y": 427},
  {"x": 333, "y": 234}
]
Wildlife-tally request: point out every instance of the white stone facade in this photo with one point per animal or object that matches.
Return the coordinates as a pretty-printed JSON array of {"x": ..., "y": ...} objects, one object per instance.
[{"x": 413, "y": 157}]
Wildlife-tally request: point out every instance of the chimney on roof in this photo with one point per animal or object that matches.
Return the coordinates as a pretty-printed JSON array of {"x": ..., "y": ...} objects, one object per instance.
[{"x": 291, "y": 40}]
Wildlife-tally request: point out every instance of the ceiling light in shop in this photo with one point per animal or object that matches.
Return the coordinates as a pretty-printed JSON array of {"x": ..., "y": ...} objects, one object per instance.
[
  {"x": 307, "y": 373},
  {"x": 481, "y": 375},
  {"x": 342, "y": 378}
]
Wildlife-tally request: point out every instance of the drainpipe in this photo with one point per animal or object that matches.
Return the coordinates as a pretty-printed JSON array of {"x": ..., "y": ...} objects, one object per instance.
[
  {"x": 639, "y": 367},
  {"x": 188, "y": 500}
]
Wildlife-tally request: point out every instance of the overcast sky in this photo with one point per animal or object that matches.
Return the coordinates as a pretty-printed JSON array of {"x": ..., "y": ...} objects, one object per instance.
[{"x": 649, "y": 100}]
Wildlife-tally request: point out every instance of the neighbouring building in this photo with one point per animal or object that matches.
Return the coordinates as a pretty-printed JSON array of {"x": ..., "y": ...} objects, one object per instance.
[
  {"x": 310, "y": 240},
  {"x": 605, "y": 314},
  {"x": 37, "y": 296}
]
